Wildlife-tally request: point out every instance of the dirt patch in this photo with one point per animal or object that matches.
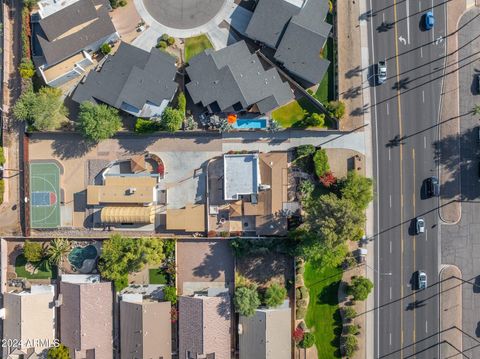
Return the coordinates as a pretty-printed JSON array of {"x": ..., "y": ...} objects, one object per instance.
[
  {"x": 342, "y": 160},
  {"x": 266, "y": 269}
]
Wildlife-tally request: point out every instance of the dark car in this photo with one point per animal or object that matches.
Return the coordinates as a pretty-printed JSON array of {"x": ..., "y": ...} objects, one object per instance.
[{"x": 433, "y": 187}]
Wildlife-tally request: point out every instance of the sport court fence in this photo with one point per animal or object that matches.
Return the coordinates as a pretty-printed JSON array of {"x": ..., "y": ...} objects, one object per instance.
[{"x": 26, "y": 187}]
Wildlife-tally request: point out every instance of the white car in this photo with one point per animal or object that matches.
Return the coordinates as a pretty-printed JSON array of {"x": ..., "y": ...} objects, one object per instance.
[
  {"x": 382, "y": 72},
  {"x": 420, "y": 225},
  {"x": 422, "y": 280}
]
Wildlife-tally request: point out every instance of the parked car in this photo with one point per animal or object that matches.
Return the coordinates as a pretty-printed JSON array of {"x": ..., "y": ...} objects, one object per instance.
[
  {"x": 382, "y": 72},
  {"x": 433, "y": 186},
  {"x": 422, "y": 280},
  {"x": 429, "y": 20},
  {"x": 420, "y": 225}
]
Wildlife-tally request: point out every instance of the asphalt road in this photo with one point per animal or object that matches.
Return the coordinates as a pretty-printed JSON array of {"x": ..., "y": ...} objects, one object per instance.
[{"x": 405, "y": 113}]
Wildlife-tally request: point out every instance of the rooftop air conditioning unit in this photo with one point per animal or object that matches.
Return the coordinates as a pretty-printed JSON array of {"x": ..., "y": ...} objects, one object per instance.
[{"x": 131, "y": 190}]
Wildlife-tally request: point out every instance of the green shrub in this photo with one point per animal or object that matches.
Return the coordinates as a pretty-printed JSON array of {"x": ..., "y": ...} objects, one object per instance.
[
  {"x": 58, "y": 352},
  {"x": 353, "y": 329},
  {"x": 170, "y": 294},
  {"x": 105, "y": 49},
  {"x": 2, "y": 156},
  {"x": 307, "y": 341},
  {"x": 33, "y": 251},
  {"x": 164, "y": 37},
  {"x": 298, "y": 294},
  {"x": 336, "y": 109},
  {"x": 246, "y": 301},
  {"x": 146, "y": 126},
  {"x": 301, "y": 303},
  {"x": 275, "y": 295},
  {"x": 162, "y": 45},
  {"x": 320, "y": 160},
  {"x": 26, "y": 68},
  {"x": 300, "y": 313},
  {"x": 2, "y": 190},
  {"x": 360, "y": 288},
  {"x": 349, "y": 313},
  {"x": 303, "y": 292},
  {"x": 182, "y": 103},
  {"x": 170, "y": 41},
  {"x": 114, "y": 4},
  {"x": 122, "y": 3},
  {"x": 300, "y": 270},
  {"x": 350, "y": 345},
  {"x": 298, "y": 278},
  {"x": 313, "y": 120},
  {"x": 120, "y": 283}
]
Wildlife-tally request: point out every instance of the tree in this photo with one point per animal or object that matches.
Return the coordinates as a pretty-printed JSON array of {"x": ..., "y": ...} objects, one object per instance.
[
  {"x": 350, "y": 345},
  {"x": 164, "y": 37},
  {"x": 146, "y": 126},
  {"x": 307, "y": 341},
  {"x": 58, "y": 249},
  {"x": 349, "y": 313},
  {"x": 59, "y": 352},
  {"x": 33, "y": 251},
  {"x": 357, "y": 189},
  {"x": 162, "y": 45},
  {"x": 122, "y": 255},
  {"x": 182, "y": 103},
  {"x": 275, "y": 295},
  {"x": 26, "y": 68},
  {"x": 360, "y": 288},
  {"x": 170, "y": 294},
  {"x": 320, "y": 160},
  {"x": 336, "y": 109},
  {"x": 170, "y": 41},
  {"x": 43, "y": 110},
  {"x": 304, "y": 151},
  {"x": 313, "y": 120},
  {"x": 353, "y": 329},
  {"x": 476, "y": 110},
  {"x": 246, "y": 301},
  {"x": 171, "y": 120},
  {"x": 105, "y": 49},
  {"x": 98, "y": 122}
]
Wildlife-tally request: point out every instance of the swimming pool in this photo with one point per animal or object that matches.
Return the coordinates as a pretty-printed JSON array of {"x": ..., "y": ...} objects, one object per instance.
[
  {"x": 78, "y": 255},
  {"x": 250, "y": 123}
]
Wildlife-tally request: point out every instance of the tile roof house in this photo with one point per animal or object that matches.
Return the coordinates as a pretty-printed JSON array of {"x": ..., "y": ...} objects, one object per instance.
[
  {"x": 29, "y": 315},
  {"x": 145, "y": 328},
  {"x": 204, "y": 327},
  {"x": 86, "y": 310},
  {"x": 297, "y": 31},
  {"x": 266, "y": 335},
  {"x": 233, "y": 79},
  {"x": 64, "y": 40},
  {"x": 138, "y": 82}
]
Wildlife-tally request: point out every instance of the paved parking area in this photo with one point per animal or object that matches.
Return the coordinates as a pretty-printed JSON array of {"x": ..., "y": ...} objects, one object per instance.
[
  {"x": 461, "y": 242},
  {"x": 204, "y": 263}
]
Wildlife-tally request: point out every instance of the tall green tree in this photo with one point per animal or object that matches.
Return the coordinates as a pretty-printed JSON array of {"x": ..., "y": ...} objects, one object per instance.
[
  {"x": 43, "y": 110},
  {"x": 33, "y": 251},
  {"x": 275, "y": 295},
  {"x": 122, "y": 255},
  {"x": 320, "y": 160},
  {"x": 98, "y": 122},
  {"x": 246, "y": 301},
  {"x": 358, "y": 189},
  {"x": 58, "y": 249},
  {"x": 60, "y": 352},
  {"x": 171, "y": 119},
  {"x": 360, "y": 288}
]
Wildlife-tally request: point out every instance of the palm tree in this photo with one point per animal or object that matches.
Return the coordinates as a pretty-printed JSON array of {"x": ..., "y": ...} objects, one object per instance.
[
  {"x": 476, "y": 110},
  {"x": 58, "y": 249}
]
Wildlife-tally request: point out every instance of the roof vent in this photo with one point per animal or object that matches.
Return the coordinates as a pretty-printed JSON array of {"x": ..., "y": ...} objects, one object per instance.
[{"x": 131, "y": 190}]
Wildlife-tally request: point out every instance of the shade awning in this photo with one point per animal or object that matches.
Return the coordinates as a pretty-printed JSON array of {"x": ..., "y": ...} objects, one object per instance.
[{"x": 128, "y": 215}]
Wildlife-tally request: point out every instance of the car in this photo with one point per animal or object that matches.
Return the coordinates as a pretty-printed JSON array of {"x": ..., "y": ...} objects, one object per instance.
[
  {"x": 420, "y": 225},
  {"x": 477, "y": 77},
  {"x": 433, "y": 186},
  {"x": 429, "y": 20},
  {"x": 422, "y": 280},
  {"x": 382, "y": 72}
]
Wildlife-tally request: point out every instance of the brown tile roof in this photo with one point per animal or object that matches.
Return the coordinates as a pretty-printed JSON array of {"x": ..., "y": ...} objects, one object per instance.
[
  {"x": 205, "y": 326},
  {"x": 86, "y": 319},
  {"x": 188, "y": 219}
]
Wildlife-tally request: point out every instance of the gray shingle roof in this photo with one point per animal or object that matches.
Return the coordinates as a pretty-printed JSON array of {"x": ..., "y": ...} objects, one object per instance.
[
  {"x": 89, "y": 18},
  {"x": 303, "y": 37},
  {"x": 131, "y": 76},
  {"x": 267, "y": 26},
  {"x": 233, "y": 75}
]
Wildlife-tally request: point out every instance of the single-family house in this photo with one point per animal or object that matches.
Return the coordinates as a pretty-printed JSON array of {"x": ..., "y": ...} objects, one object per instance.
[
  {"x": 65, "y": 34},
  {"x": 86, "y": 316},
  {"x": 29, "y": 320},
  {"x": 297, "y": 31},
  {"x": 133, "y": 80},
  {"x": 204, "y": 327},
  {"x": 233, "y": 79}
]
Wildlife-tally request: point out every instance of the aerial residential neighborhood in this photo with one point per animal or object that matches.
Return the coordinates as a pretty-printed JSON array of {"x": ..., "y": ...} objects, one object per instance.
[{"x": 239, "y": 179}]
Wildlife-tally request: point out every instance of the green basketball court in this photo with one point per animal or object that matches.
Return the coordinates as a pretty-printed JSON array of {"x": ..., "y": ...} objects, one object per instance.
[{"x": 45, "y": 195}]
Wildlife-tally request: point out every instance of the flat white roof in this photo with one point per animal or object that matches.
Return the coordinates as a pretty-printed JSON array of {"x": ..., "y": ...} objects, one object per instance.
[
  {"x": 241, "y": 175},
  {"x": 81, "y": 278},
  {"x": 49, "y": 7}
]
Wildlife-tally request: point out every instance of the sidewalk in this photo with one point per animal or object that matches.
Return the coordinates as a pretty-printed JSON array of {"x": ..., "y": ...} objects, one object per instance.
[
  {"x": 450, "y": 205},
  {"x": 450, "y": 312}
]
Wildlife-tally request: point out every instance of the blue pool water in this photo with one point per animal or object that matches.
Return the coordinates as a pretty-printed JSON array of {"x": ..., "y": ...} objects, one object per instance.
[{"x": 250, "y": 123}]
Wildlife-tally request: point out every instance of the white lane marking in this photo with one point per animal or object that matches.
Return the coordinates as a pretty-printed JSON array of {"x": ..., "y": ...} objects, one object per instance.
[
  {"x": 389, "y": 154},
  {"x": 390, "y": 203},
  {"x": 424, "y": 141},
  {"x": 402, "y": 40},
  {"x": 390, "y": 338},
  {"x": 421, "y": 52},
  {"x": 390, "y": 293},
  {"x": 383, "y": 17},
  {"x": 423, "y": 96},
  {"x": 408, "y": 21},
  {"x": 426, "y": 326},
  {"x": 426, "y": 235},
  {"x": 388, "y": 109},
  {"x": 419, "y": 6},
  {"x": 390, "y": 246},
  {"x": 433, "y": 29}
]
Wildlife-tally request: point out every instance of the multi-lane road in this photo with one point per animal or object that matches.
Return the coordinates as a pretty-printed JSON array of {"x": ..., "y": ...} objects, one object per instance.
[{"x": 405, "y": 113}]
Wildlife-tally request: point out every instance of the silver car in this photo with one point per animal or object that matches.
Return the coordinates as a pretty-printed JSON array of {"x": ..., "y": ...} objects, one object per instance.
[
  {"x": 422, "y": 280},
  {"x": 420, "y": 225},
  {"x": 382, "y": 72}
]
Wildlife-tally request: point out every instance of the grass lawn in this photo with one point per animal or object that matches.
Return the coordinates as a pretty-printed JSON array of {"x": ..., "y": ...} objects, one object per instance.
[
  {"x": 293, "y": 112},
  {"x": 322, "y": 316},
  {"x": 157, "y": 276},
  {"x": 44, "y": 270},
  {"x": 195, "y": 45},
  {"x": 326, "y": 90}
]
